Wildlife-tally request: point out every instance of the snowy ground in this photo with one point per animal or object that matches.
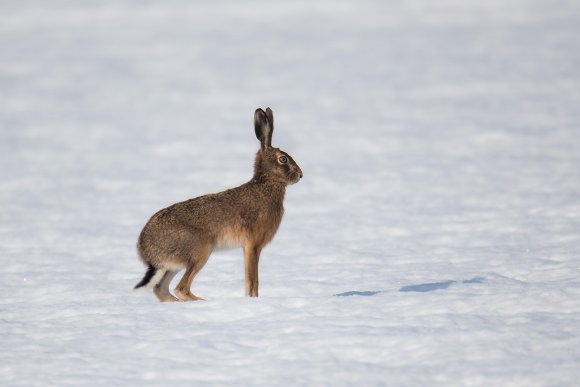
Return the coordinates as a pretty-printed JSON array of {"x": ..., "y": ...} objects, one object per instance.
[{"x": 434, "y": 239}]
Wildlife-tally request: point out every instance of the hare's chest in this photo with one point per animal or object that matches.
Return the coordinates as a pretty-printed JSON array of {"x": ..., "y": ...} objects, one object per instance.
[
  {"x": 267, "y": 224},
  {"x": 230, "y": 237}
]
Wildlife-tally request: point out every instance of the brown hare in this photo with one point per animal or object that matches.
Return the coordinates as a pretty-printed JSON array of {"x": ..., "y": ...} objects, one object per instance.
[{"x": 185, "y": 234}]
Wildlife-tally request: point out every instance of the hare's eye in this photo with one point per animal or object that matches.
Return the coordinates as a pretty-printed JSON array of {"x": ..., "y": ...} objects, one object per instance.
[{"x": 283, "y": 159}]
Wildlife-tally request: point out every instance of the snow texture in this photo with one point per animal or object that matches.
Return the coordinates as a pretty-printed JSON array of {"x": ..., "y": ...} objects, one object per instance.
[{"x": 434, "y": 238}]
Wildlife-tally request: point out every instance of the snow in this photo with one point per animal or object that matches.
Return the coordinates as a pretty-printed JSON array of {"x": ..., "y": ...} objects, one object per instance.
[{"x": 434, "y": 238}]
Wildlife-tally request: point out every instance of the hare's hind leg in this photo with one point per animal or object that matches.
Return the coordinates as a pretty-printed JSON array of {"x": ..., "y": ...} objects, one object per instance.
[
  {"x": 183, "y": 289},
  {"x": 161, "y": 290}
]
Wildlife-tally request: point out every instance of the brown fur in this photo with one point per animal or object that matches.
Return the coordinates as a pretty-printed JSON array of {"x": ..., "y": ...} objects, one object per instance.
[{"x": 185, "y": 234}]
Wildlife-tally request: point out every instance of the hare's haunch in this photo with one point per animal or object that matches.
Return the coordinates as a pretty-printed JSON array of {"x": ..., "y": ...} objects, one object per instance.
[{"x": 185, "y": 234}]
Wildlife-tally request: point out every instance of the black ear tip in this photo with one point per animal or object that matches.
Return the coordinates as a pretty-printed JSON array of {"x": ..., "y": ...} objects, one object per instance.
[
  {"x": 270, "y": 116},
  {"x": 259, "y": 116}
]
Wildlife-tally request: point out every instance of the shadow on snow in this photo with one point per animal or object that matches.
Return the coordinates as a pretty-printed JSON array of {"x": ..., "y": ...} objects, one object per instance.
[{"x": 426, "y": 287}]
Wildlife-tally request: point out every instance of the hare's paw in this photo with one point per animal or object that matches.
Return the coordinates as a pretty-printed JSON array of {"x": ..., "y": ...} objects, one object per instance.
[
  {"x": 163, "y": 295},
  {"x": 187, "y": 296},
  {"x": 168, "y": 298}
]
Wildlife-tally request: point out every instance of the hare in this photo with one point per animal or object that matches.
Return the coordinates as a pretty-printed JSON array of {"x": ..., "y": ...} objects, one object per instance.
[{"x": 185, "y": 234}]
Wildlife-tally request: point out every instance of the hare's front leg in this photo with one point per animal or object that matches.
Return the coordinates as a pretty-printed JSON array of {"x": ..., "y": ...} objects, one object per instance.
[
  {"x": 183, "y": 289},
  {"x": 252, "y": 258}
]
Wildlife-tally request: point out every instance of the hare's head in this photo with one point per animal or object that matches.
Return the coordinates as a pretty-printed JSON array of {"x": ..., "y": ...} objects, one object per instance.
[{"x": 272, "y": 163}]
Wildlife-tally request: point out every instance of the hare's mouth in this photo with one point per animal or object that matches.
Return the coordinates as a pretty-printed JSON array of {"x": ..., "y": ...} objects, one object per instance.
[{"x": 296, "y": 178}]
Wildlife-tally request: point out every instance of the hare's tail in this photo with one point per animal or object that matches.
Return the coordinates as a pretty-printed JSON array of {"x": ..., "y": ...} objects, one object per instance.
[{"x": 151, "y": 278}]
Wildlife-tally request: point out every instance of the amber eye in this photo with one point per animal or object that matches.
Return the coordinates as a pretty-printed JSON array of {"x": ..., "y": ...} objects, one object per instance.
[{"x": 282, "y": 159}]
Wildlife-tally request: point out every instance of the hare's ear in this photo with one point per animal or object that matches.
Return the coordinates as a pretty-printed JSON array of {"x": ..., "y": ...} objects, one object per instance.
[
  {"x": 270, "y": 117},
  {"x": 264, "y": 126}
]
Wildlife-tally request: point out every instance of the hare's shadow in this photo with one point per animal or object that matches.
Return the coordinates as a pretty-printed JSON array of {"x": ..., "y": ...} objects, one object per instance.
[
  {"x": 422, "y": 288},
  {"x": 366, "y": 293}
]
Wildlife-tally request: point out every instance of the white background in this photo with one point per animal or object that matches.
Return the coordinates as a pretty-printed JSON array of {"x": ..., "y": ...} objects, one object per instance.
[{"x": 434, "y": 238}]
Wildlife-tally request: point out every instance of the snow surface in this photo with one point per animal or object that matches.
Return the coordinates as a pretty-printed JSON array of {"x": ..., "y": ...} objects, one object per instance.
[{"x": 434, "y": 239}]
